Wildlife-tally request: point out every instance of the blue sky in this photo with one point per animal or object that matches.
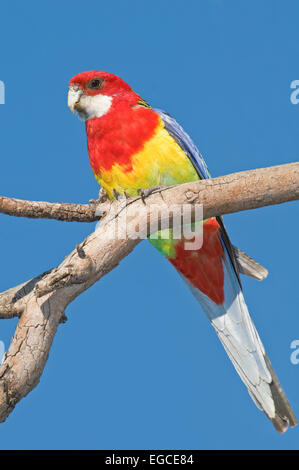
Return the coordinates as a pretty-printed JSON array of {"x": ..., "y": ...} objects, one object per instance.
[{"x": 137, "y": 365}]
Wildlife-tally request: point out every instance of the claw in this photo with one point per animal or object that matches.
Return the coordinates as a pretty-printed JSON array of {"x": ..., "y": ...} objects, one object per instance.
[
  {"x": 116, "y": 194},
  {"x": 103, "y": 196},
  {"x": 144, "y": 193},
  {"x": 120, "y": 197}
]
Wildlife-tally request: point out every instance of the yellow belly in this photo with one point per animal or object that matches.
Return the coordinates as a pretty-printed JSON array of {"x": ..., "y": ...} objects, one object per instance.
[{"x": 160, "y": 162}]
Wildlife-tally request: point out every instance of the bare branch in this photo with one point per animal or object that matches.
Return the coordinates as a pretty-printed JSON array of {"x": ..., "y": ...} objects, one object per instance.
[
  {"x": 41, "y": 302},
  {"x": 48, "y": 210},
  {"x": 231, "y": 193}
]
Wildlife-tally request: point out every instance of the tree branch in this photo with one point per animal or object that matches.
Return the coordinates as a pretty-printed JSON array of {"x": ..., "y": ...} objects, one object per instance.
[
  {"x": 223, "y": 195},
  {"x": 48, "y": 210},
  {"x": 41, "y": 302}
]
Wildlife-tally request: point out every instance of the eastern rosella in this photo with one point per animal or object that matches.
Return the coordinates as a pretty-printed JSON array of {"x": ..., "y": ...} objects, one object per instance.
[{"x": 133, "y": 146}]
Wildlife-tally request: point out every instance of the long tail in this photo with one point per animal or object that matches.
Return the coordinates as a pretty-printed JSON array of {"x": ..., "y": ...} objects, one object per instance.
[{"x": 211, "y": 277}]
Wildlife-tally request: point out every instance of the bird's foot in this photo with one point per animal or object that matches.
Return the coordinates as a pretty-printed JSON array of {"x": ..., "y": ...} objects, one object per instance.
[
  {"x": 103, "y": 197},
  {"x": 144, "y": 193},
  {"x": 120, "y": 197}
]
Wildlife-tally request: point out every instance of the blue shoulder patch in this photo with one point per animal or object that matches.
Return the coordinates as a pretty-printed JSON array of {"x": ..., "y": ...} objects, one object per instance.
[{"x": 186, "y": 143}]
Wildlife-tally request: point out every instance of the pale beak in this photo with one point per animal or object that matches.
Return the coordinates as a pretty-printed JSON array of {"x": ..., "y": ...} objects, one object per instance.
[{"x": 74, "y": 96}]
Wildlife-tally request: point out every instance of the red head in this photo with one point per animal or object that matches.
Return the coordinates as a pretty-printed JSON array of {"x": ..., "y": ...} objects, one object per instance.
[
  {"x": 118, "y": 122},
  {"x": 91, "y": 93}
]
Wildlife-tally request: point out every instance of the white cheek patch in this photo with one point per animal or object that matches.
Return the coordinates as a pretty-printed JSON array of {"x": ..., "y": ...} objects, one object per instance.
[{"x": 94, "y": 106}]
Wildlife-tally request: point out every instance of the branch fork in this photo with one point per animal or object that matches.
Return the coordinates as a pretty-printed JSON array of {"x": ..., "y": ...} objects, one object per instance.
[{"x": 40, "y": 303}]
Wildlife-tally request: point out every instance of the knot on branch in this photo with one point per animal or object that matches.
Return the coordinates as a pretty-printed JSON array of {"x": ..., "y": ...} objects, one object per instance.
[
  {"x": 191, "y": 196},
  {"x": 77, "y": 271}
]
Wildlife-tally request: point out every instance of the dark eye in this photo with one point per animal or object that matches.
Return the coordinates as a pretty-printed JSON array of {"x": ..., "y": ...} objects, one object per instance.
[{"x": 95, "y": 83}]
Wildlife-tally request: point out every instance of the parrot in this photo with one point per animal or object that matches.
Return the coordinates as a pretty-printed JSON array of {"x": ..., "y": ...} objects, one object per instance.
[{"x": 132, "y": 147}]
